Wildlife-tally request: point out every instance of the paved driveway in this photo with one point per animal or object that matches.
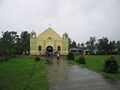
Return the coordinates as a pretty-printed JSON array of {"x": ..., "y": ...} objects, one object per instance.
[{"x": 64, "y": 76}]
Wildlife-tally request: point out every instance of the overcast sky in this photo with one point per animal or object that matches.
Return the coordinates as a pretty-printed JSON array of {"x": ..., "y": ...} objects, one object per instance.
[{"x": 79, "y": 18}]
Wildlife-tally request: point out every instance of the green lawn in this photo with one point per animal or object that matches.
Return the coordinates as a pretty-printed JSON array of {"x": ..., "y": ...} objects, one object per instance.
[
  {"x": 23, "y": 73},
  {"x": 95, "y": 62}
]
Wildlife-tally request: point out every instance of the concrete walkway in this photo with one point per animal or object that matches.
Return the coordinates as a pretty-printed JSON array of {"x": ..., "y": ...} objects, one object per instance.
[{"x": 64, "y": 76}]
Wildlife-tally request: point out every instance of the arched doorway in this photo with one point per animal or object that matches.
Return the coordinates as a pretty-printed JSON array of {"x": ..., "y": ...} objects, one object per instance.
[{"x": 49, "y": 49}]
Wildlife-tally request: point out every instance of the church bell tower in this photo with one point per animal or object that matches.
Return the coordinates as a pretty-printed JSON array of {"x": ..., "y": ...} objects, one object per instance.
[{"x": 32, "y": 43}]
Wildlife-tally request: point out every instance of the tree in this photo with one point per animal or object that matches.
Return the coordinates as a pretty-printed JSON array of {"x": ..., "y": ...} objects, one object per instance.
[
  {"x": 7, "y": 44},
  {"x": 91, "y": 44},
  {"x": 1, "y": 49},
  {"x": 112, "y": 47},
  {"x": 118, "y": 46},
  {"x": 87, "y": 44},
  {"x": 82, "y": 46},
  {"x": 25, "y": 41},
  {"x": 103, "y": 45},
  {"x": 73, "y": 45},
  {"x": 18, "y": 46},
  {"x": 78, "y": 45}
]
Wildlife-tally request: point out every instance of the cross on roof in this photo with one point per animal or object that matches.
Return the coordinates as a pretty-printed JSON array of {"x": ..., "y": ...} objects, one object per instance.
[{"x": 49, "y": 25}]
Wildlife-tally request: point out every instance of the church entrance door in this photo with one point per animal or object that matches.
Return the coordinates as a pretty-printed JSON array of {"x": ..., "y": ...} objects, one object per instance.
[{"x": 49, "y": 49}]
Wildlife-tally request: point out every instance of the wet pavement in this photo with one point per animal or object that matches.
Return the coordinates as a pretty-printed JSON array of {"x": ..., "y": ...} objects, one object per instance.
[{"x": 64, "y": 76}]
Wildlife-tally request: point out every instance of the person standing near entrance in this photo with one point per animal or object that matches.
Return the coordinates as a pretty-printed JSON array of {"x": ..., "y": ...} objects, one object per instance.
[
  {"x": 48, "y": 58},
  {"x": 58, "y": 57}
]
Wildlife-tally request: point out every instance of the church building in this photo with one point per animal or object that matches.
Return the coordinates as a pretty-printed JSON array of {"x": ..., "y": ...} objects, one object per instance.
[{"x": 49, "y": 41}]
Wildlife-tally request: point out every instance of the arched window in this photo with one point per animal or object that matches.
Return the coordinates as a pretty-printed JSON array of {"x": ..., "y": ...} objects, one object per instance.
[
  {"x": 39, "y": 48},
  {"x": 59, "y": 48},
  {"x": 33, "y": 35}
]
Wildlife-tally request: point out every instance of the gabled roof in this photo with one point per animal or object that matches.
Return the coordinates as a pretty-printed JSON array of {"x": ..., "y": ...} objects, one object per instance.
[{"x": 49, "y": 30}]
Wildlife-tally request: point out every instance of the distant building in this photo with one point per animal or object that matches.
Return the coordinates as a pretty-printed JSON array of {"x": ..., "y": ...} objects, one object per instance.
[
  {"x": 48, "y": 41},
  {"x": 77, "y": 50}
]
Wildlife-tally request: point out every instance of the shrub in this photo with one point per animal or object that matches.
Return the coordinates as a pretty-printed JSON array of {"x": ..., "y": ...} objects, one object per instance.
[
  {"x": 70, "y": 56},
  {"x": 37, "y": 58},
  {"x": 81, "y": 60},
  {"x": 111, "y": 65}
]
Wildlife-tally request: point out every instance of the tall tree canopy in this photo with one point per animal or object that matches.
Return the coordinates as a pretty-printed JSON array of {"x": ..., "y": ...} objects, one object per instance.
[
  {"x": 25, "y": 41},
  {"x": 103, "y": 44},
  {"x": 11, "y": 44},
  {"x": 91, "y": 44},
  {"x": 8, "y": 42},
  {"x": 73, "y": 45}
]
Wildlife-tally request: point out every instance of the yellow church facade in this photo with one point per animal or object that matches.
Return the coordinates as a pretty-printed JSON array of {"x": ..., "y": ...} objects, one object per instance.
[{"x": 49, "y": 41}]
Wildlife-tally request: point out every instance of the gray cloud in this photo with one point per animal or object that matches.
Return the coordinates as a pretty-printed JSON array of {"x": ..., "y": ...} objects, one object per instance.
[{"x": 80, "y": 18}]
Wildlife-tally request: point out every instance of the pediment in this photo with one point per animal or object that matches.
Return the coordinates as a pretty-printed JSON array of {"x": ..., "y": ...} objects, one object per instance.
[{"x": 49, "y": 33}]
